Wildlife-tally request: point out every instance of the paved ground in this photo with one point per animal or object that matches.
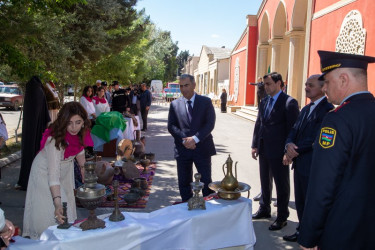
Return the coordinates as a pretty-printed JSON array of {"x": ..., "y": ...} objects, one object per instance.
[{"x": 232, "y": 135}]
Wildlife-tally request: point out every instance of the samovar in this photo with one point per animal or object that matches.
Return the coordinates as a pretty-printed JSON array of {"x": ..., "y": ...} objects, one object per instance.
[{"x": 91, "y": 195}]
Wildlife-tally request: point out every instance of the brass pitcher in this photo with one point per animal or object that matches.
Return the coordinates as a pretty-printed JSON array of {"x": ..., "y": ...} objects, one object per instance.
[{"x": 229, "y": 183}]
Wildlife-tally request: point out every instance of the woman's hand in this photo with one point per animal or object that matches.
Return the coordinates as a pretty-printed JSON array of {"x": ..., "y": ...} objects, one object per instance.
[
  {"x": 59, "y": 213},
  {"x": 7, "y": 233}
]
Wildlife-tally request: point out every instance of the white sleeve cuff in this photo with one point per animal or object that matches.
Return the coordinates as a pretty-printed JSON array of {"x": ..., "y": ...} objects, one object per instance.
[{"x": 195, "y": 139}]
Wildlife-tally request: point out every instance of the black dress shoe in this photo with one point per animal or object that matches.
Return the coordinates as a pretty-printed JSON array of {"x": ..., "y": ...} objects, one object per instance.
[
  {"x": 261, "y": 214},
  {"x": 257, "y": 198},
  {"x": 292, "y": 238},
  {"x": 277, "y": 225}
]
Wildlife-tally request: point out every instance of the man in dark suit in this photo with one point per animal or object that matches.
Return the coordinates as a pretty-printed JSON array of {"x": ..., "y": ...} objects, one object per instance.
[
  {"x": 277, "y": 115},
  {"x": 339, "y": 208},
  {"x": 145, "y": 99},
  {"x": 298, "y": 148},
  {"x": 190, "y": 121}
]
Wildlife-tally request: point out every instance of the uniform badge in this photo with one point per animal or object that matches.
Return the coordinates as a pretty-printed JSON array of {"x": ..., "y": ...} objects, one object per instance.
[{"x": 327, "y": 137}]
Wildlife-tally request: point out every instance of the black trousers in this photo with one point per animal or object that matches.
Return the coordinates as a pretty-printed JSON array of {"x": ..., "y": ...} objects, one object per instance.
[
  {"x": 185, "y": 175},
  {"x": 223, "y": 107},
  {"x": 300, "y": 190},
  {"x": 269, "y": 168},
  {"x": 144, "y": 114}
]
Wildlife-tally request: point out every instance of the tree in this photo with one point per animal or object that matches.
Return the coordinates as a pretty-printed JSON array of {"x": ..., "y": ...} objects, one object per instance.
[{"x": 181, "y": 59}]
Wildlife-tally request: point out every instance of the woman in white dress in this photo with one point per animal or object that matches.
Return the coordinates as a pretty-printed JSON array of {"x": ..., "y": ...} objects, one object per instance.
[
  {"x": 51, "y": 179},
  {"x": 100, "y": 103},
  {"x": 87, "y": 103}
]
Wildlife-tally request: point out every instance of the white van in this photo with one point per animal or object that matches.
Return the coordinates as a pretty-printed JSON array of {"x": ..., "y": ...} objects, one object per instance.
[{"x": 156, "y": 88}]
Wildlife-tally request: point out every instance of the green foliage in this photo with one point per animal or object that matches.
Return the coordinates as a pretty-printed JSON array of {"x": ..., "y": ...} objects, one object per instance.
[
  {"x": 181, "y": 59},
  {"x": 79, "y": 41}
]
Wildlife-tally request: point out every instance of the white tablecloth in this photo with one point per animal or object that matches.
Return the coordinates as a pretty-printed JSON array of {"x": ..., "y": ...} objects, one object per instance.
[
  {"x": 130, "y": 128},
  {"x": 223, "y": 224}
]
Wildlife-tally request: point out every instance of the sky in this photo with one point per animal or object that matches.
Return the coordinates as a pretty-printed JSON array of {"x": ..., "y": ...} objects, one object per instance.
[{"x": 193, "y": 23}]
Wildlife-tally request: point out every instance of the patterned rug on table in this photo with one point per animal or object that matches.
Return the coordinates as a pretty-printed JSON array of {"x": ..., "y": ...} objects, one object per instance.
[{"x": 124, "y": 187}]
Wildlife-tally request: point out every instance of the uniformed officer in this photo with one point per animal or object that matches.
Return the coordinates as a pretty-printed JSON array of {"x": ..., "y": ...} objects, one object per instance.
[{"x": 339, "y": 208}]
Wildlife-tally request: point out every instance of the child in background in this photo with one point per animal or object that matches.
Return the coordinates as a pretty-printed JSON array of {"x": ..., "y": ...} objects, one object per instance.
[{"x": 3, "y": 132}]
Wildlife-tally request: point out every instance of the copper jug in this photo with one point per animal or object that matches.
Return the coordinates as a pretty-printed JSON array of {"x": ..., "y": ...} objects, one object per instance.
[
  {"x": 139, "y": 148},
  {"x": 229, "y": 183}
]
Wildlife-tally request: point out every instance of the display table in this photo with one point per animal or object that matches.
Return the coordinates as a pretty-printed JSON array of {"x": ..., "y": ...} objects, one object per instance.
[
  {"x": 223, "y": 224},
  {"x": 130, "y": 128}
]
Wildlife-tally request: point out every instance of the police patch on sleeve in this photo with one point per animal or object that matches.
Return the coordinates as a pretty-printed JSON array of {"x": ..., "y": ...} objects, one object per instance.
[{"x": 327, "y": 137}]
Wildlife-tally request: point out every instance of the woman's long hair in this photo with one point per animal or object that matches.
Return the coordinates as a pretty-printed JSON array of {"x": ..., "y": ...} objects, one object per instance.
[
  {"x": 85, "y": 89},
  {"x": 59, "y": 127}
]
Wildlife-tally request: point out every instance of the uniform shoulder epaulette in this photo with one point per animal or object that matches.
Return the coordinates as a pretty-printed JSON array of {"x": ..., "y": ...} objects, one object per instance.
[{"x": 342, "y": 105}]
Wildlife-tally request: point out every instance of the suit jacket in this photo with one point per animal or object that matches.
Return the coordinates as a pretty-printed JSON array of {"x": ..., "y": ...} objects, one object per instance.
[
  {"x": 304, "y": 135},
  {"x": 273, "y": 131},
  {"x": 339, "y": 208},
  {"x": 145, "y": 99},
  {"x": 203, "y": 122}
]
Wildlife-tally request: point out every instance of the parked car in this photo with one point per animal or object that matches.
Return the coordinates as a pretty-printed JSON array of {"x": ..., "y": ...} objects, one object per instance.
[{"x": 11, "y": 96}]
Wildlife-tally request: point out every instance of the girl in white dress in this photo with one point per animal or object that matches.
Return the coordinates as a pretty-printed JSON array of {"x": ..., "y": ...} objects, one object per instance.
[
  {"x": 86, "y": 101},
  {"x": 100, "y": 103},
  {"x": 51, "y": 179}
]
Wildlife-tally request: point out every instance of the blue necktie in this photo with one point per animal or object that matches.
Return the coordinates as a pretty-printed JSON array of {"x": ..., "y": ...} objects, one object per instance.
[
  {"x": 190, "y": 109},
  {"x": 269, "y": 108}
]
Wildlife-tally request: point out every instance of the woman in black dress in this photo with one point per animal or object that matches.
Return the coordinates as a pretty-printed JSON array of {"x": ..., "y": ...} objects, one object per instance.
[{"x": 223, "y": 99}]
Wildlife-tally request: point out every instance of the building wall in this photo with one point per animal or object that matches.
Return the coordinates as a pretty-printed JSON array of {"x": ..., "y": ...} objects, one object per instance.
[
  {"x": 325, "y": 30},
  {"x": 271, "y": 7},
  {"x": 223, "y": 69},
  {"x": 241, "y": 57},
  {"x": 212, "y": 68},
  {"x": 252, "y": 39},
  {"x": 319, "y": 5},
  {"x": 191, "y": 65}
]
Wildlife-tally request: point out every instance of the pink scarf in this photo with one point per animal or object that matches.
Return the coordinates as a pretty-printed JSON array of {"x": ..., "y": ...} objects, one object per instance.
[
  {"x": 98, "y": 99},
  {"x": 88, "y": 98},
  {"x": 74, "y": 146}
]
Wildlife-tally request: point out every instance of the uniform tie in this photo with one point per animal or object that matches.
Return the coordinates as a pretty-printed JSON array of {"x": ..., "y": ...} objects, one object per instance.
[{"x": 269, "y": 108}]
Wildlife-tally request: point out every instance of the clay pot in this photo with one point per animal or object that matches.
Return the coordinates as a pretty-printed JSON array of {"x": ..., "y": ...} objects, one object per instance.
[
  {"x": 131, "y": 198},
  {"x": 136, "y": 187},
  {"x": 105, "y": 172},
  {"x": 129, "y": 170}
]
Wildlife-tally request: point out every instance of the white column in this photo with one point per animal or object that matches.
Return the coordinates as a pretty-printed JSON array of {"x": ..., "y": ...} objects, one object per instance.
[
  {"x": 262, "y": 59},
  {"x": 276, "y": 53},
  {"x": 295, "y": 72}
]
